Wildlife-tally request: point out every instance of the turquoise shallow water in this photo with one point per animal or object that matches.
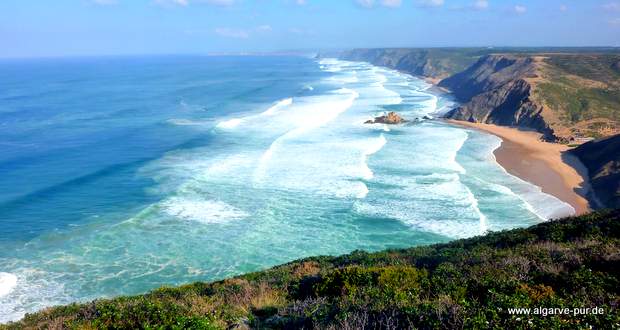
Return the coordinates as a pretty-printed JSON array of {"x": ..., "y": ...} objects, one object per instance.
[{"x": 120, "y": 175}]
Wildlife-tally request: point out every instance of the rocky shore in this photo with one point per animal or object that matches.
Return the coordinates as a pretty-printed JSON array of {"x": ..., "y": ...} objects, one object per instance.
[{"x": 391, "y": 118}]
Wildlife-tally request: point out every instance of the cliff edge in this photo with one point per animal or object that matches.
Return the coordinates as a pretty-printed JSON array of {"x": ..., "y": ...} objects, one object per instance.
[
  {"x": 602, "y": 159},
  {"x": 497, "y": 89},
  {"x": 433, "y": 63}
]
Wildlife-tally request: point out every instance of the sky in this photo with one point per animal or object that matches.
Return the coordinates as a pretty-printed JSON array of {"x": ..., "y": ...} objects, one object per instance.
[{"x": 41, "y": 28}]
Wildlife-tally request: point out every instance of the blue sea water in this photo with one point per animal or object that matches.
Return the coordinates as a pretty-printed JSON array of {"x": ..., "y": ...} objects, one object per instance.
[{"x": 119, "y": 175}]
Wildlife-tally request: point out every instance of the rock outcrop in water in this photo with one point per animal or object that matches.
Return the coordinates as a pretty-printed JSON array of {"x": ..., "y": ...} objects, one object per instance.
[
  {"x": 602, "y": 159},
  {"x": 391, "y": 118}
]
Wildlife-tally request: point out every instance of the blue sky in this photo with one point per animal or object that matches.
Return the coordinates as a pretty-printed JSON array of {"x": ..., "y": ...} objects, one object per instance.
[{"x": 105, "y": 27}]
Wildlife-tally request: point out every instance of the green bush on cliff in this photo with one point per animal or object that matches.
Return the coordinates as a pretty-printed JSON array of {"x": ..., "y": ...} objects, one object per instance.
[{"x": 472, "y": 283}]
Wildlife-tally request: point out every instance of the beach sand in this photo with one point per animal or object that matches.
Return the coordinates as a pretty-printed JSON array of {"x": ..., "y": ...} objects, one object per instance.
[{"x": 544, "y": 164}]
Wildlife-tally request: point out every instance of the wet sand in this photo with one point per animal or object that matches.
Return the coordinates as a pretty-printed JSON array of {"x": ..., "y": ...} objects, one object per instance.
[{"x": 544, "y": 164}]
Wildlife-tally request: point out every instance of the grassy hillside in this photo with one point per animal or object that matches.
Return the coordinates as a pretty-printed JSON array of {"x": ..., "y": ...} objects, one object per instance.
[
  {"x": 571, "y": 263},
  {"x": 584, "y": 91}
]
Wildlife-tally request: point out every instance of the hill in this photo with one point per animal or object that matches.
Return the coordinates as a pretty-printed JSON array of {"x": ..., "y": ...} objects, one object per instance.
[
  {"x": 569, "y": 95},
  {"x": 435, "y": 63},
  {"x": 561, "y": 266}
]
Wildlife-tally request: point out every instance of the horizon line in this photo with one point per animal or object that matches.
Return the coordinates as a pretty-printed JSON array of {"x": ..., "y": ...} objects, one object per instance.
[{"x": 296, "y": 52}]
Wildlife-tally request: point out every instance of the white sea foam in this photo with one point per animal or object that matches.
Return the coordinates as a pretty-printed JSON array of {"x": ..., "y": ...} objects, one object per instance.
[
  {"x": 362, "y": 190},
  {"x": 484, "y": 227},
  {"x": 430, "y": 106},
  {"x": 275, "y": 108},
  {"x": 29, "y": 290},
  {"x": 278, "y": 106},
  {"x": 8, "y": 282},
  {"x": 373, "y": 147},
  {"x": 187, "y": 122},
  {"x": 543, "y": 205},
  {"x": 308, "y": 117},
  {"x": 231, "y": 123},
  {"x": 345, "y": 78},
  {"x": 201, "y": 210}
]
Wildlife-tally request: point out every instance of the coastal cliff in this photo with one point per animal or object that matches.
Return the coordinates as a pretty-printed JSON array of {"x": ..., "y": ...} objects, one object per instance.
[
  {"x": 568, "y": 95},
  {"x": 602, "y": 159},
  {"x": 435, "y": 63},
  {"x": 497, "y": 90}
]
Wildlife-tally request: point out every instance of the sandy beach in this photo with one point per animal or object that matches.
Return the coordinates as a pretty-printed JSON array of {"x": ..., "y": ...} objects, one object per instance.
[{"x": 544, "y": 164}]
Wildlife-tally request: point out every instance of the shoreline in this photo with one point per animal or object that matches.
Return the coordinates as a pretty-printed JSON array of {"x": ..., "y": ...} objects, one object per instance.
[
  {"x": 546, "y": 165},
  {"x": 543, "y": 164}
]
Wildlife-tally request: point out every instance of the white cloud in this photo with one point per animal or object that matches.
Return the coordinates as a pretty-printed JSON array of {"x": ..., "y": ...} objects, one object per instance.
[
  {"x": 172, "y": 2},
  {"x": 430, "y": 3},
  {"x": 391, "y": 3},
  {"x": 221, "y": 2},
  {"x": 520, "y": 9},
  {"x": 481, "y": 4},
  {"x": 264, "y": 28},
  {"x": 240, "y": 33},
  {"x": 184, "y": 3},
  {"x": 615, "y": 22},
  {"x": 475, "y": 5},
  {"x": 232, "y": 33},
  {"x": 105, "y": 2},
  {"x": 563, "y": 8},
  {"x": 365, "y": 3},
  {"x": 384, "y": 3},
  {"x": 301, "y": 32},
  {"x": 612, "y": 6},
  {"x": 301, "y": 2}
]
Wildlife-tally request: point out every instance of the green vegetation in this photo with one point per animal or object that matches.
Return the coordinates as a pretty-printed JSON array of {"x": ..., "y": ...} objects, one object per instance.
[
  {"x": 428, "y": 62},
  {"x": 583, "y": 88},
  {"x": 440, "y": 62},
  {"x": 581, "y": 103},
  {"x": 472, "y": 283},
  {"x": 597, "y": 67}
]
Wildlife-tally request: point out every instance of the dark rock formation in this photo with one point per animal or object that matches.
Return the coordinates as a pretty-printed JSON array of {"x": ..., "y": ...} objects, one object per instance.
[
  {"x": 391, "y": 118},
  {"x": 495, "y": 90},
  {"x": 602, "y": 159}
]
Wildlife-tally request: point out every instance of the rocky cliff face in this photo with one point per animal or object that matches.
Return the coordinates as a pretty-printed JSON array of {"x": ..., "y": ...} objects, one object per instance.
[
  {"x": 432, "y": 63},
  {"x": 602, "y": 159},
  {"x": 497, "y": 90}
]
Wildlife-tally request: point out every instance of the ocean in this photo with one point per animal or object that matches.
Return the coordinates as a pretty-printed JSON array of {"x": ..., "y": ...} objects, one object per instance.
[{"x": 122, "y": 174}]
